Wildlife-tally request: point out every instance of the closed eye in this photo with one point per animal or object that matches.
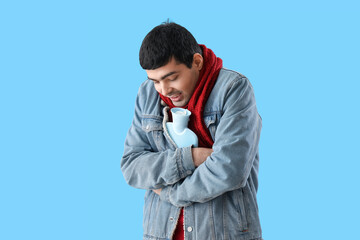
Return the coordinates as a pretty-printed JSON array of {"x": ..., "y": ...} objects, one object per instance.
[{"x": 174, "y": 78}]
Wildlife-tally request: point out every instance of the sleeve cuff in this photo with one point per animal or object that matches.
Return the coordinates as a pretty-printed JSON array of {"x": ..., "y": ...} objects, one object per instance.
[
  {"x": 165, "y": 194},
  {"x": 185, "y": 162}
]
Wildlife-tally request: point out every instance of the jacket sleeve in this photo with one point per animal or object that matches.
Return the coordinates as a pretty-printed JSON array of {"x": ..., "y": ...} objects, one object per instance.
[
  {"x": 234, "y": 150},
  {"x": 145, "y": 168}
]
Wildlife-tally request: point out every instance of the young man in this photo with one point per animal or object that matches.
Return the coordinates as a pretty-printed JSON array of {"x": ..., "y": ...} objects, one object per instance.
[{"x": 204, "y": 193}]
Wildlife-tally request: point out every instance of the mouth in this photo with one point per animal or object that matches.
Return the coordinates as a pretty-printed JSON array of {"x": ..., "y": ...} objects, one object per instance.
[{"x": 175, "y": 97}]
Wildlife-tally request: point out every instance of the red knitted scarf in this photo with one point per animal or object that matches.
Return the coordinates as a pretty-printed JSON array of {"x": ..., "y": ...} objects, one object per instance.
[{"x": 207, "y": 78}]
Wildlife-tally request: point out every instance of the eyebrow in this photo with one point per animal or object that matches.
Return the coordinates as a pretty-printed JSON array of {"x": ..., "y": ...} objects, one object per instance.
[{"x": 165, "y": 76}]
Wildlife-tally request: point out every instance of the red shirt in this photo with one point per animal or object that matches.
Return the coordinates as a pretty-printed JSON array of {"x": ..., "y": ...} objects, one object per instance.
[{"x": 179, "y": 231}]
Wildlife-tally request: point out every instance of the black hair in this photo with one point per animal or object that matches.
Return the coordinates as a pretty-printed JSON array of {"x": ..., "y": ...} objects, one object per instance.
[{"x": 165, "y": 41}]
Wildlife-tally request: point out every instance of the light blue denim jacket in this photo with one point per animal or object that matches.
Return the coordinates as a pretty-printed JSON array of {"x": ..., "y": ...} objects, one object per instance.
[{"x": 219, "y": 196}]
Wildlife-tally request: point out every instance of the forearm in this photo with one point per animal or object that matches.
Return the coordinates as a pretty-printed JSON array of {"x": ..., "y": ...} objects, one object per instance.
[
  {"x": 152, "y": 170},
  {"x": 199, "y": 156},
  {"x": 208, "y": 181}
]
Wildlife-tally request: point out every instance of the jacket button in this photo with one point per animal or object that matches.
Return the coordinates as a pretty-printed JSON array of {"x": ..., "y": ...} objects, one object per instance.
[
  {"x": 189, "y": 229},
  {"x": 171, "y": 219},
  {"x": 147, "y": 127}
]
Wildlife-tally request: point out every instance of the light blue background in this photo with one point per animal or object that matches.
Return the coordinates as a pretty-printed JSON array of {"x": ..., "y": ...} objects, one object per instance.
[{"x": 69, "y": 75}]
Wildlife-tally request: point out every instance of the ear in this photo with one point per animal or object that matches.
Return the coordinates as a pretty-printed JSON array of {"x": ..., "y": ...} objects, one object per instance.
[{"x": 198, "y": 61}]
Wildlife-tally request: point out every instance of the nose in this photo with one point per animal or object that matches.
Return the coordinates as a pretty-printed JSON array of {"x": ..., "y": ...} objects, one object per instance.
[{"x": 165, "y": 88}]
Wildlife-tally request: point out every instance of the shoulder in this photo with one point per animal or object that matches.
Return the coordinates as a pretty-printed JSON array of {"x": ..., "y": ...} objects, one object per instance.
[
  {"x": 146, "y": 88},
  {"x": 227, "y": 79},
  {"x": 148, "y": 99},
  {"x": 229, "y": 85}
]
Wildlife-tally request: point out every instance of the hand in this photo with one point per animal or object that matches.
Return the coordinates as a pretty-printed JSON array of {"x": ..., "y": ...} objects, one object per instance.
[
  {"x": 200, "y": 154},
  {"x": 157, "y": 191}
]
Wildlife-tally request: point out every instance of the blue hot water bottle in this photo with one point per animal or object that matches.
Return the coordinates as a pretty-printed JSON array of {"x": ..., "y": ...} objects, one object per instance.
[{"x": 178, "y": 131}]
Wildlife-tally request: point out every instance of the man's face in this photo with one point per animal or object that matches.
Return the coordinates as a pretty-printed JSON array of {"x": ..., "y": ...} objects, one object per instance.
[{"x": 176, "y": 81}]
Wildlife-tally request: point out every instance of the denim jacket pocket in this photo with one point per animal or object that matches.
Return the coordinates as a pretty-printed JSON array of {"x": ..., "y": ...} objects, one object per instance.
[
  {"x": 241, "y": 209},
  {"x": 152, "y": 126},
  {"x": 148, "y": 199}
]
